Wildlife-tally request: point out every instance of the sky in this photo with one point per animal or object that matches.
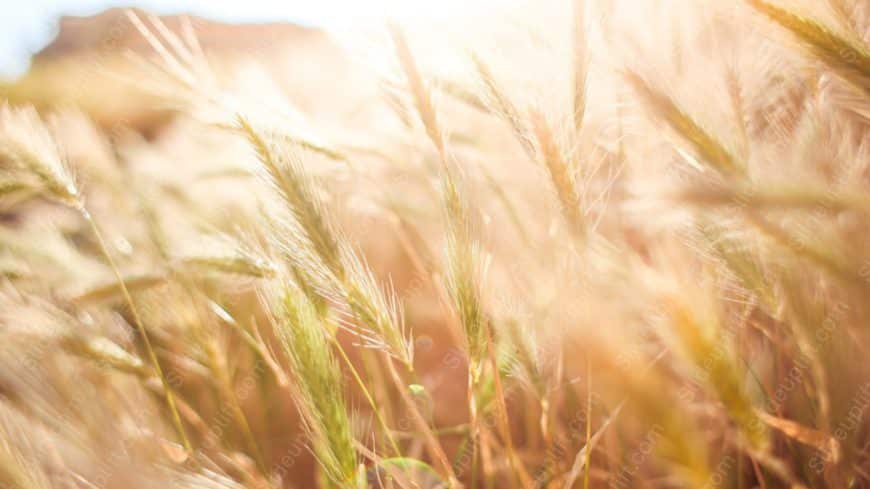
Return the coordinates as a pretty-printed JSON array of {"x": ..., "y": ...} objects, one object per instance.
[{"x": 28, "y": 25}]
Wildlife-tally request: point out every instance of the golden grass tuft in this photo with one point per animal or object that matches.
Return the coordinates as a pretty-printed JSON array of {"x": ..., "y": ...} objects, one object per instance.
[{"x": 519, "y": 285}]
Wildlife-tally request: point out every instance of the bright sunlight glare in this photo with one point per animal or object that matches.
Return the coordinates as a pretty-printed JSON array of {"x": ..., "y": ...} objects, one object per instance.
[{"x": 25, "y": 27}]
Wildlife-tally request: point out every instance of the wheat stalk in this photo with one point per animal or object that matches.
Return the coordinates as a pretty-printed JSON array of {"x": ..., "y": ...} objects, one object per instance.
[
  {"x": 560, "y": 174},
  {"x": 581, "y": 62},
  {"x": 376, "y": 312},
  {"x": 26, "y": 140},
  {"x": 319, "y": 383},
  {"x": 848, "y": 58}
]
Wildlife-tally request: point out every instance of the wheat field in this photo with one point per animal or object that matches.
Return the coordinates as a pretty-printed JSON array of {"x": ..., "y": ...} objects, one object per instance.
[{"x": 582, "y": 244}]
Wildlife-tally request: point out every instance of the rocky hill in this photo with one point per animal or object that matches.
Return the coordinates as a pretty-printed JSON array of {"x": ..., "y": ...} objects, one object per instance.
[
  {"x": 87, "y": 66},
  {"x": 112, "y": 30}
]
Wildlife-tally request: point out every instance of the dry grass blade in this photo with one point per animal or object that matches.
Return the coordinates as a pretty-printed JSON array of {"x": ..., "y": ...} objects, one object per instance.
[
  {"x": 463, "y": 274},
  {"x": 317, "y": 147},
  {"x": 844, "y": 9},
  {"x": 432, "y": 443},
  {"x": 18, "y": 468},
  {"x": 517, "y": 465},
  {"x": 106, "y": 352},
  {"x": 711, "y": 151},
  {"x": 238, "y": 265},
  {"x": 780, "y": 198},
  {"x": 742, "y": 264},
  {"x": 26, "y": 142},
  {"x": 462, "y": 94},
  {"x": 286, "y": 175},
  {"x": 831, "y": 262},
  {"x": 375, "y": 312},
  {"x": 25, "y": 139},
  {"x": 174, "y": 62},
  {"x": 582, "y": 458},
  {"x": 502, "y": 105},
  {"x": 849, "y": 58},
  {"x": 464, "y": 270},
  {"x": 113, "y": 292},
  {"x": 723, "y": 379},
  {"x": 378, "y": 312},
  {"x": 463, "y": 253},
  {"x": 10, "y": 187},
  {"x": 808, "y": 436},
  {"x": 140, "y": 325},
  {"x": 560, "y": 174},
  {"x": 320, "y": 387},
  {"x": 422, "y": 96},
  {"x": 661, "y": 322},
  {"x": 581, "y": 62}
]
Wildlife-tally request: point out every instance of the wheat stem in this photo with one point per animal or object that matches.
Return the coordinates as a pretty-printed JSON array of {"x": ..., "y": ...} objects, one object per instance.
[{"x": 140, "y": 326}]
